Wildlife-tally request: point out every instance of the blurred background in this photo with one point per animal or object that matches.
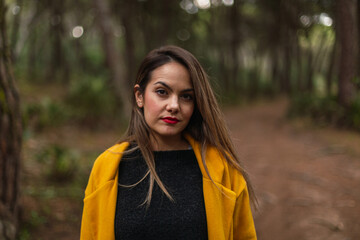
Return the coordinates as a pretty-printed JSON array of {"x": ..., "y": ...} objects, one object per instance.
[{"x": 286, "y": 73}]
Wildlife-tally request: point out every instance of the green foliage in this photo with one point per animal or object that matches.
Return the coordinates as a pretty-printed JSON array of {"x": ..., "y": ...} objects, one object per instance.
[
  {"x": 62, "y": 163},
  {"x": 325, "y": 110},
  {"x": 311, "y": 38},
  {"x": 322, "y": 109},
  {"x": 88, "y": 101},
  {"x": 356, "y": 81},
  {"x": 45, "y": 113},
  {"x": 24, "y": 234},
  {"x": 256, "y": 85},
  {"x": 46, "y": 193},
  {"x": 200, "y": 29},
  {"x": 268, "y": 89},
  {"x": 250, "y": 10},
  {"x": 90, "y": 98},
  {"x": 34, "y": 220}
]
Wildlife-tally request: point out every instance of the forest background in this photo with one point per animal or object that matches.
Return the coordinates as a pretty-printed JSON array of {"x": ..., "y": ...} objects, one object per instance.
[{"x": 74, "y": 64}]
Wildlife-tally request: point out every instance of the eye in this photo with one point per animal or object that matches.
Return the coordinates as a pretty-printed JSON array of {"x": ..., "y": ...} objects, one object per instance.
[
  {"x": 161, "y": 92},
  {"x": 187, "y": 97}
]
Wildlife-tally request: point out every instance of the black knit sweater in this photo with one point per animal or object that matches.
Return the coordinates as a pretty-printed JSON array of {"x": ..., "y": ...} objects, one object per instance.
[{"x": 185, "y": 218}]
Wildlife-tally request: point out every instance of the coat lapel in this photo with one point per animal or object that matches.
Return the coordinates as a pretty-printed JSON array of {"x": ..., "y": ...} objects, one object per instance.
[{"x": 219, "y": 198}]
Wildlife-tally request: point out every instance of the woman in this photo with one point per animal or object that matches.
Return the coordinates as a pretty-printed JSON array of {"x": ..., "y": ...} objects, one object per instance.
[{"x": 175, "y": 175}]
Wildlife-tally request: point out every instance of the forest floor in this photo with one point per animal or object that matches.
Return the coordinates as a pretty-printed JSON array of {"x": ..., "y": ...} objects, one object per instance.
[{"x": 306, "y": 178}]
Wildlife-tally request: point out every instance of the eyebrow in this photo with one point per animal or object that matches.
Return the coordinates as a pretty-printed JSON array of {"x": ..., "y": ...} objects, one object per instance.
[{"x": 167, "y": 86}]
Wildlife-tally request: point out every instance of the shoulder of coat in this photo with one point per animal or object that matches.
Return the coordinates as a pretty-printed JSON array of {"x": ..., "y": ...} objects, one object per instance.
[
  {"x": 109, "y": 160},
  {"x": 223, "y": 172},
  {"x": 118, "y": 148}
]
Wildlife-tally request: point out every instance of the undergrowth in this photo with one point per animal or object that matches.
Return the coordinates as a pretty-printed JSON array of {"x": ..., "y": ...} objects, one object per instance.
[{"x": 325, "y": 110}]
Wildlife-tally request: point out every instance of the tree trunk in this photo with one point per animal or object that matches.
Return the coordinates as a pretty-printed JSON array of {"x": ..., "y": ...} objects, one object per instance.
[
  {"x": 59, "y": 67},
  {"x": 128, "y": 22},
  {"x": 253, "y": 80},
  {"x": 309, "y": 80},
  {"x": 32, "y": 62},
  {"x": 275, "y": 68},
  {"x": 358, "y": 36},
  {"x": 299, "y": 62},
  {"x": 310, "y": 71},
  {"x": 234, "y": 20},
  {"x": 331, "y": 69},
  {"x": 224, "y": 71},
  {"x": 113, "y": 60},
  {"x": 286, "y": 78},
  {"x": 348, "y": 50},
  {"x": 15, "y": 30},
  {"x": 10, "y": 139},
  {"x": 166, "y": 21}
]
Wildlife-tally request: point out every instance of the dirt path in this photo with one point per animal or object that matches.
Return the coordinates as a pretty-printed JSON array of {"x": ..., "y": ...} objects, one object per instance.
[{"x": 307, "y": 180}]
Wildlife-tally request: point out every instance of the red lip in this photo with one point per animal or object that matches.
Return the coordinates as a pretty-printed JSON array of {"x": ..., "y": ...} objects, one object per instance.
[{"x": 170, "y": 120}]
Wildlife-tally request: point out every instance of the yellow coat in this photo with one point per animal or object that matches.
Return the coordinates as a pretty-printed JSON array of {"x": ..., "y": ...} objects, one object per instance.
[{"x": 227, "y": 205}]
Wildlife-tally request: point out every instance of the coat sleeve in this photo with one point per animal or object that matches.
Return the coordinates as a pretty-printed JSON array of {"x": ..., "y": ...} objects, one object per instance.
[
  {"x": 85, "y": 232},
  {"x": 100, "y": 196},
  {"x": 244, "y": 228}
]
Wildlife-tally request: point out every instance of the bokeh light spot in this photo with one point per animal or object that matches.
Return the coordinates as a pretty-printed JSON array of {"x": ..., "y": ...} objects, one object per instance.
[
  {"x": 77, "y": 31},
  {"x": 203, "y": 4},
  {"x": 15, "y": 10},
  {"x": 228, "y": 2},
  {"x": 325, "y": 20},
  {"x": 305, "y": 20},
  {"x": 183, "y": 35},
  {"x": 189, "y": 6}
]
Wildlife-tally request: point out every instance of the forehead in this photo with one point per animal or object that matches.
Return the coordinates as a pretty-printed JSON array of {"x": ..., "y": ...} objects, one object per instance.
[{"x": 172, "y": 73}]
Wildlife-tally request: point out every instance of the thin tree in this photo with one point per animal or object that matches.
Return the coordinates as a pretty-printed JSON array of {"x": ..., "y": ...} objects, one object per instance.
[
  {"x": 114, "y": 61},
  {"x": 235, "y": 19},
  {"x": 347, "y": 37},
  {"x": 358, "y": 36},
  {"x": 10, "y": 139}
]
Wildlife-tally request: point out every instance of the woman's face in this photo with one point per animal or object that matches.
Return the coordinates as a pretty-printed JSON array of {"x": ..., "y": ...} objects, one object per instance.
[{"x": 168, "y": 101}]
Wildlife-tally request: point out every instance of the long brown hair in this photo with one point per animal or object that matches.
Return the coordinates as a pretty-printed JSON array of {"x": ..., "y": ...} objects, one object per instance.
[{"x": 206, "y": 125}]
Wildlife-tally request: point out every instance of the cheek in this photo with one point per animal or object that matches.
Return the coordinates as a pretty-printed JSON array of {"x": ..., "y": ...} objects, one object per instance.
[
  {"x": 188, "y": 111},
  {"x": 151, "y": 105}
]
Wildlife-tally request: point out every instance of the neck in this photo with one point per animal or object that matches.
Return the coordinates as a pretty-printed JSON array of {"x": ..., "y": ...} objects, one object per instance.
[{"x": 168, "y": 143}]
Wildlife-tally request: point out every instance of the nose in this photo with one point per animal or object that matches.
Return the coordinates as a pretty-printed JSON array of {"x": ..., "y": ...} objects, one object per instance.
[{"x": 173, "y": 104}]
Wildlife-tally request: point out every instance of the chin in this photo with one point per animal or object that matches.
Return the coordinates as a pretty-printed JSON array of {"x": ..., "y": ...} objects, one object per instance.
[{"x": 167, "y": 133}]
